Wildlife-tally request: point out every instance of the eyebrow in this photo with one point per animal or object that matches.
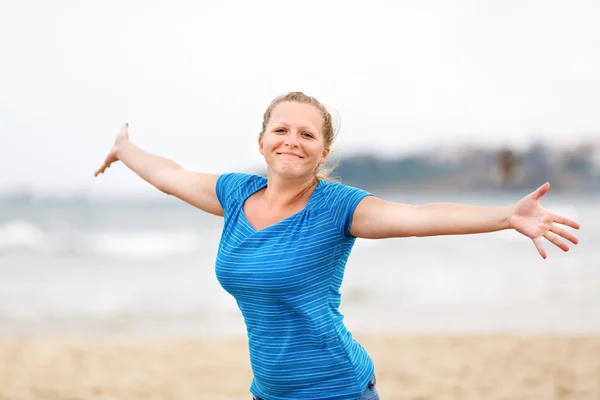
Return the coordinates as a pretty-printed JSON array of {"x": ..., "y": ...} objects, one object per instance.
[{"x": 302, "y": 127}]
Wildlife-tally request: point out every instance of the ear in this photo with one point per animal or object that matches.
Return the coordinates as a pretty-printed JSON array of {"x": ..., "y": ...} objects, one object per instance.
[
  {"x": 260, "y": 146},
  {"x": 324, "y": 155}
]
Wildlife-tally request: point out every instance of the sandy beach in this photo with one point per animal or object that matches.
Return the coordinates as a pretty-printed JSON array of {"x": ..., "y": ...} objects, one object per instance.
[{"x": 423, "y": 368}]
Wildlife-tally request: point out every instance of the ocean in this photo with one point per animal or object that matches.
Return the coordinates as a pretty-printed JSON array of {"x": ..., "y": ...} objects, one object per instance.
[{"x": 146, "y": 267}]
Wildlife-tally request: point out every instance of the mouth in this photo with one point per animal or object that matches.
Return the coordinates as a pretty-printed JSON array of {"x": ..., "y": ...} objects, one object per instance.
[{"x": 288, "y": 154}]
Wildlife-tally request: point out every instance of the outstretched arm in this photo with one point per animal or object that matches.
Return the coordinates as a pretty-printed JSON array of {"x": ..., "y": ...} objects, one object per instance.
[
  {"x": 376, "y": 218},
  {"x": 195, "y": 188}
]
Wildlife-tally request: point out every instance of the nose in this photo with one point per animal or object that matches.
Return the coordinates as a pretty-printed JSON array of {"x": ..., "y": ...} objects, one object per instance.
[{"x": 291, "y": 139}]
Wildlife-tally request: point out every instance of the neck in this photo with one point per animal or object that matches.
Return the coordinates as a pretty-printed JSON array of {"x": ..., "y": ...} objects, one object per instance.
[{"x": 282, "y": 193}]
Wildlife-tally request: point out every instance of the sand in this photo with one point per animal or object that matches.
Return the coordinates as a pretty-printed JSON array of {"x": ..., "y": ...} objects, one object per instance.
[{"x": 416, "y": 368}]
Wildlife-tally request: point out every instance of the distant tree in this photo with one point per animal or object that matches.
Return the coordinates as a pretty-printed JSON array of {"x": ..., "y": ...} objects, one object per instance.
[{"x": 507, "y": 164}]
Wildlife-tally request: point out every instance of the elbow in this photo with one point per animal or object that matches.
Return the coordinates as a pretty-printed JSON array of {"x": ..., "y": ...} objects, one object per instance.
[
  {"x": 163, "y": 181},
  {"x": 166, "y": 191}
]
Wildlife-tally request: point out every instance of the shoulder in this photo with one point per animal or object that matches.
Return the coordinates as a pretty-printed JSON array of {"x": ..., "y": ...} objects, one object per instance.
[
  {"x": 337, "y": 191},
  {"x": 231, "y": 185},
  {"x": 236, "y": 179},
  {"x": 341, "y": 201}
]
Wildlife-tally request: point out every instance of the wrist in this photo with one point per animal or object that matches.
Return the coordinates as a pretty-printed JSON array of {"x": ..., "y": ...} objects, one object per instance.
[
  {"x": 508, "y": 212},
  {"x": 120, "y": 147}
]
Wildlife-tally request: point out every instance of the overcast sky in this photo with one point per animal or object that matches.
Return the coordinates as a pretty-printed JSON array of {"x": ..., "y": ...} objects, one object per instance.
[{"x": 193, "y": 78}]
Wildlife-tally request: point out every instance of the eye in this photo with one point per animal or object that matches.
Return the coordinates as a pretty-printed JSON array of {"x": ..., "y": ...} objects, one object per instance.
[
  {"x": 279, "y": 130},
  {"x": 308, "y": 134}
]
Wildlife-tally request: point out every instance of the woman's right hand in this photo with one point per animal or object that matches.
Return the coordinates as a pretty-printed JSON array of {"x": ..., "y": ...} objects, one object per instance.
[{"x": 112, "y": 157}]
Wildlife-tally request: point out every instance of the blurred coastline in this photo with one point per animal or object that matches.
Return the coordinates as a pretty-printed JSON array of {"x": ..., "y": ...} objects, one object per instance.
[
  {"x": 469, "y": 168},
  {"x": 466, "y": 168}
]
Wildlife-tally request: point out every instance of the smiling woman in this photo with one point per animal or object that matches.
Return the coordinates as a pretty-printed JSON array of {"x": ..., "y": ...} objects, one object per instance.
[
  {"x": 286, "y": 239},
  {"x": 306, "y": 109}
]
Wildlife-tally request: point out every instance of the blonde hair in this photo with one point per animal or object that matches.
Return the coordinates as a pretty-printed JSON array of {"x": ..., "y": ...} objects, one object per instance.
[{"x": 322, "y": 172}]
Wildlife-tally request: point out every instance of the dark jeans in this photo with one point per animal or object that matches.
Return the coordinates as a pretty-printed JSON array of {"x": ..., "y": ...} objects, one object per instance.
[{"x": 370, "y": 392}]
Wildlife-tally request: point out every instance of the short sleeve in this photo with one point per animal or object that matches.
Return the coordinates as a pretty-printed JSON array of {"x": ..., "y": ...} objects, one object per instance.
[
  {"x": 228, "y": 185},
  {"x": 343, "y": 200}
]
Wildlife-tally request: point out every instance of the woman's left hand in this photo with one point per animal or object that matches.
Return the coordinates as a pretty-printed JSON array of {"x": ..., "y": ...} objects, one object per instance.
[{"x": 533, "y": 221}]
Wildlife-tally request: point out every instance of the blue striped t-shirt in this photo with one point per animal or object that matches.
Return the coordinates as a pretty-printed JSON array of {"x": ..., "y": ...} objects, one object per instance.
[{"x": 286, "y": 281}]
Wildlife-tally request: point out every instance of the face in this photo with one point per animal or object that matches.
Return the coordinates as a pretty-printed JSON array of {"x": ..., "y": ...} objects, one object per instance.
[{"x": 293, "y": 144}]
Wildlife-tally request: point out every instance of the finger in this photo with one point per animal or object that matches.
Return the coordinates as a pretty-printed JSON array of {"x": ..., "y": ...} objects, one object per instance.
[
  {"x": 539, "y": 247},
  {"x": 542, "y": 190},
  {"x": 100, "y": 170},
  {"x": 565, "y": 221},
  {"x": 564, "y": 233},
  {"x": 556, "y": 241}
]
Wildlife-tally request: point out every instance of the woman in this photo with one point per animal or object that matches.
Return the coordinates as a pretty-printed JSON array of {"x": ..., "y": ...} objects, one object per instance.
[{"x": 287, "y": 237}]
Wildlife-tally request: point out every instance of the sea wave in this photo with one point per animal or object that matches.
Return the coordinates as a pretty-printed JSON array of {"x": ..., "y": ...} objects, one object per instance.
[
  {"x": 26, "y": 237},
  {"x": 21, "y": 235}
]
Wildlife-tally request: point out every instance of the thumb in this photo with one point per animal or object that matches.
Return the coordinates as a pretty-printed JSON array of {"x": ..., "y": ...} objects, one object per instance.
[{"x": 541, "y": 191}]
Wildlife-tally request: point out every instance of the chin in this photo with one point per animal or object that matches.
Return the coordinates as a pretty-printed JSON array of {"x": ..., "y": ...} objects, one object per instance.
[{"x": 291, "y": 173}]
